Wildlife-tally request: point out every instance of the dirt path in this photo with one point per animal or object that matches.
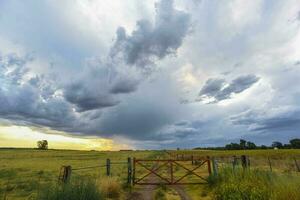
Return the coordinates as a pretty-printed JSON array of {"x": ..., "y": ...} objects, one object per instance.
[
  {"x": 181, "y": 192},
  {"x": 144, "y": 192}
]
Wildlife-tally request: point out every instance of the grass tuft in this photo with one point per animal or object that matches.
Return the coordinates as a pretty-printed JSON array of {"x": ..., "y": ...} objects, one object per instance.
[{"x": 110, "y": 187}]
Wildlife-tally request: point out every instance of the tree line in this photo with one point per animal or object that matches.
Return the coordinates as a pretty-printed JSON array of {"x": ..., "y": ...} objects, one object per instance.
[{"x": 244, "y": 144}]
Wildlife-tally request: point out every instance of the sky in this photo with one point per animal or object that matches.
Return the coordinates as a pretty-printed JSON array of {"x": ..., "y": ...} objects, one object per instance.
[{"x": 153, "y": 74}]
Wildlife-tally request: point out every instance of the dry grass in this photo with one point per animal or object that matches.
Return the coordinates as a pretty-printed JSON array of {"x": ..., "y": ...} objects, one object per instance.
[{"x": 110, "y": 187}]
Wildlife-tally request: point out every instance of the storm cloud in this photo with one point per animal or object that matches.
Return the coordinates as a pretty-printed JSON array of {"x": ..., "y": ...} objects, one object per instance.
[
  {"x": 218, "y": 89},
  {"x": 151, "y": 41},
  {"x": 131, "y": 70},
  {"x": 276, "y": 119}
]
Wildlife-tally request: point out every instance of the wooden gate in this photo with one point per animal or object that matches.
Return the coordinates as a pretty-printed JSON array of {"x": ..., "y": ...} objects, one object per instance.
[{"x": 170, "y": 172}]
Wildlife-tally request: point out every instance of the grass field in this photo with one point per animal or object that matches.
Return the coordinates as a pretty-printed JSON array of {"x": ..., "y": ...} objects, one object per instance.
[
  {"x": 23, "y": 172},
  {"x": 281, "y": 183}
]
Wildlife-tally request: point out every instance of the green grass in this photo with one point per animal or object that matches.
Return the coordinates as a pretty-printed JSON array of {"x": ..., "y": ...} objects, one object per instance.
[
  {"x": 83, "y": 189},
  {"x": 282, "y": 162},
  {"x": 254, "y": 185},
  {"x": 24, "y": 171}
]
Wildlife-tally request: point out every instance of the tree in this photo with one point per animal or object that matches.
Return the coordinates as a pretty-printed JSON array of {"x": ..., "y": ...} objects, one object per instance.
[
  {"x": 243, "y": 144},
  {"x": 42, "y": 144},
  {"x": 251, "y": 145},
  {"x": 295, "y": 143},
  {"x": 232, "y": 146},
  {"x": 277, "y": 145},
  {"x": 263, "y": 147}
]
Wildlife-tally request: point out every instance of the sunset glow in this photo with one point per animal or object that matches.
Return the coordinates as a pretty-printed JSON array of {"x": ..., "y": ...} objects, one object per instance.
[{"x": 26, "y": 137}]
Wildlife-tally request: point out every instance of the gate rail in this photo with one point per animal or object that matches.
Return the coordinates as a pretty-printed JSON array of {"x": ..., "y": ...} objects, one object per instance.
[{"x": 172, "y": 179}]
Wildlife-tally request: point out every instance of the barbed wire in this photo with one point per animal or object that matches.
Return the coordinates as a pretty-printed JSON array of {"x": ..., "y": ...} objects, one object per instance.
[{"x": 89, "y": 167}]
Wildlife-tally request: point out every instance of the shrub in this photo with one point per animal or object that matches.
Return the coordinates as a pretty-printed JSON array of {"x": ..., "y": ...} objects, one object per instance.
[{"x": 110, "y": 187}]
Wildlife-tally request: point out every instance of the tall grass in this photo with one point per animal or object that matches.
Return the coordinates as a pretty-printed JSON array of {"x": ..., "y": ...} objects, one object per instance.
[
  {"x": 110, "y": 187},
  {"x": 82, "y": 189},
  {"x": 254, "y": 185}
]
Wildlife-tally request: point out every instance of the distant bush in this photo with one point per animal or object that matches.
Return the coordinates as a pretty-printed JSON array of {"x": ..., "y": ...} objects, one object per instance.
[{"x": 254, "y": 185}]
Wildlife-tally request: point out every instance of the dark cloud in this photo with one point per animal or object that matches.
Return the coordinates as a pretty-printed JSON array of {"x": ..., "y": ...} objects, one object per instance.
[
  {"x": 218, "y": 89},
  {"x": 30, "y": 101},
  {"x": 23, "y": 104},
  {"x": 153, "y": 41},
  {"x": 138, "y": 122},
  {"x": 148, "y": 41},
  {"x": 124, "y": 86},
  {"x": 212, "y": 87},
  {"x": 257, "y": 121},
  {"x": 88, "y": 98},
  {"x": 78, "y": 105}
]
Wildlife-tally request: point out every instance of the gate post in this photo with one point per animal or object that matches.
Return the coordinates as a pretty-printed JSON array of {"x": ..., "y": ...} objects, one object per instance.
[
  {"x": 107, "y": 167},
  {"x": 208, "y": 165},
  {"x": 192, "y": 157},
  {"x": 215, "y": 166},
  {"x": 129, "y": 176}
]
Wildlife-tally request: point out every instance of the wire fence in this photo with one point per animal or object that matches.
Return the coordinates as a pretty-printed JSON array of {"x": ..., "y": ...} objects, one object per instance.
[
  {"x": 280, "y": 164},
  {"x": 32, "y": 182}
]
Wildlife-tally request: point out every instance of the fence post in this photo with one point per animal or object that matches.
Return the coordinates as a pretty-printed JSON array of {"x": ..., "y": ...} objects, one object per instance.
[
  {"x": 129, "y": 170},
  {"x": 270, "y": 164},
  {"x": 234, "y": 163},
  {"x": 208, "y": 165},
  {"x": 248, "y": 162},
  {"x": 66, "y": 174},
  {"x": 107, "y": 167},
  {"x": 298, "y": 168},
  {"x": 133, "y": 172},
  {"x": 215, "y": 166},
  {"x": 245, "y": 161},
  {"x": 6, "y": 190}
]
